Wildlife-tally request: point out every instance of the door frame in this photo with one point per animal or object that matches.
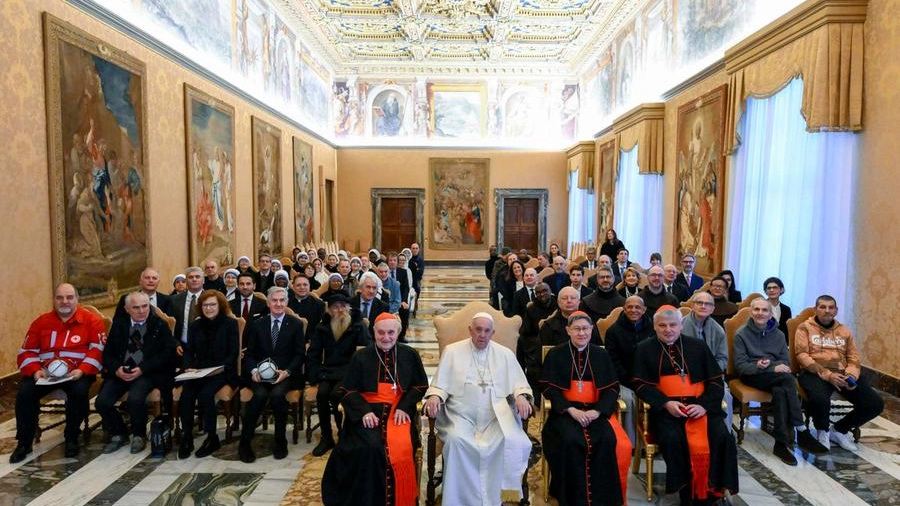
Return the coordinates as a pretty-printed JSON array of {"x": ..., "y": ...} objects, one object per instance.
[
  {"x": 500, "y": 196},
  {"x": 407, "y": 193}
]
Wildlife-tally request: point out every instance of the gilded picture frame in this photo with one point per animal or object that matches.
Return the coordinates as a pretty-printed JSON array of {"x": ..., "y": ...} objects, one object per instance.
[
  {"x": 267, "y": 188},
  {"x": 97, "y": 163},
  {"x": 209, "y": 131},
  {"x": 460, "y": 189},
  {"x": 700, "y": 197}
]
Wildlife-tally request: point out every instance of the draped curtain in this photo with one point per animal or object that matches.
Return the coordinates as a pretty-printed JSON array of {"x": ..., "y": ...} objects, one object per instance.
[
  {"x": 582, "y": 212},
  {"x": 638, "y": 204},
  {"x": 790, "y": 195}
]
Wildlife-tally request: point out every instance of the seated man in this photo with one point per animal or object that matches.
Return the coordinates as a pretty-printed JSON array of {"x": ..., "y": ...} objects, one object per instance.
[
  {"x": 582, "y": 436},
  {"x": 605, "y": 298},
  {"x": 559, "y": 279},
  {"x": 528, "y": 350},
  {"x": 366, "y": 302},
  {"x": 553, "y": 331},
  {"x": 479, "y": 396},
  {"x": 576, "y": 276},
  {"x": 139, "y": 356},
  {"x": 681, "y": 381},
  {"x": 699, "y": 324},
  {"x": 829, "y": 361},
  {"x": 332, "y": 345},
  {"x": 306, "y": 305},
  {"x": 590, "y": 261},
  {"x": 67, "y": 336},
  {"x": 374, "y": 462},
  {"x": 655, "y": 294},
  {"x": 279, "y": 338},
  {"x": 149, "y": 283},
  {"x": 622, "y": 337},
  {"x": 244, "y": 303},
  {"x": 762, "y": 360},
  {"x": 525, "y": 294}
]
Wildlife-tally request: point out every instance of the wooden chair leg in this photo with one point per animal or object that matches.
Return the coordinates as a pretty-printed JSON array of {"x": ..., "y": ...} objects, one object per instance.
[
  {"x": 432, "y": 458},
  {"x": 649, "y": 475},
  {"x": 297, "y": 422}
]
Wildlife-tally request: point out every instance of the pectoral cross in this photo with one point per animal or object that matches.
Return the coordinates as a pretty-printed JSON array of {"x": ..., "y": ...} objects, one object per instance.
[
  {"x": 394, "y": 388},
  {"x": 681, "y": 373},
  {"x": 483, "y": 384},
  {"x": 580, "y": 386}
]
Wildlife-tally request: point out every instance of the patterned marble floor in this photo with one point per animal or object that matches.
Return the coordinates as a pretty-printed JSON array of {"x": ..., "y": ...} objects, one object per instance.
[{"x": 869, "y": 476}]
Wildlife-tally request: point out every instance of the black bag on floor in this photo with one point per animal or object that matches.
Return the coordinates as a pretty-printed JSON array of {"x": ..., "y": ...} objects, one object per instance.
[{"x": 160, "y": 436}]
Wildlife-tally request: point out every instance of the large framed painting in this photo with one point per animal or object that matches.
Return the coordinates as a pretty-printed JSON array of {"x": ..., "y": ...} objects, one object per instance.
[
  {"x": 97, "y": 151},
  {"x": 700, "y": 202},
  {"x": 267, "y": 187},
  {"x": 607, "y": 199},
  {"x": 304, "y": 193},
  {"x": 210, "y": 160},
  {"x": 459, "y": 202},
  {"x": 458, "y": 110}
]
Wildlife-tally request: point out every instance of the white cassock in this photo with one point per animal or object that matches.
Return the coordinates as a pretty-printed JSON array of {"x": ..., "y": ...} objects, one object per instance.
[{"x": 485, "y": 449}]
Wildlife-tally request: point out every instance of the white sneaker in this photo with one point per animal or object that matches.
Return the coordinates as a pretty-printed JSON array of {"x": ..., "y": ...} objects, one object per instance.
[
  {"x": 843, "y": 440},
  {"x": 823, "y": 438}
]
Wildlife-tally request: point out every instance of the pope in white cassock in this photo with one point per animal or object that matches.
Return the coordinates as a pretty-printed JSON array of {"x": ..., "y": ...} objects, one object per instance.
[{"x": 479, "y": 396}]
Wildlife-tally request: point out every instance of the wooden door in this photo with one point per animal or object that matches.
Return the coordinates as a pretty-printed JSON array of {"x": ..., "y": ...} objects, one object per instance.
[
  {"x": 398, "y": 223},
  {"x": 520, "y": 224}
]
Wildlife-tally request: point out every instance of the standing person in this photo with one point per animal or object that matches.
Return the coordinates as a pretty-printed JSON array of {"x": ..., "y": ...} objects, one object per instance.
[
  {"x": 184, "y": 305},
  {"x": 374, "y": 462},
  {"x": 71, "y": 335},
  {"x": 280, "y": 339},
  {"x": 611, "y": 245},
  {"x": 686, "y": 277},
  {"x": 417, "y": 265},
  {"x": 479, "y": 397},
  {"x": 330, "y": 349},
  {"x": 139, "y": 356},
  {"x": 149, "y": 286},
  {"x": 212, "y": 280},
  {"x": 774, "y": 289},
  {"x": 681, "y": 381},
  {"x": 213, "y": 341},
  {"x": 525, "y": 294},
  {"x": 827, "y": 354},
  {"x": 762, "y": 360},
  {"x": 587, "y": 450}
]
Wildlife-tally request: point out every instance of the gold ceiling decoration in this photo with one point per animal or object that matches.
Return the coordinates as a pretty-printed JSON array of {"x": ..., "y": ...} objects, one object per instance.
[{"x": 419, "y": 37}]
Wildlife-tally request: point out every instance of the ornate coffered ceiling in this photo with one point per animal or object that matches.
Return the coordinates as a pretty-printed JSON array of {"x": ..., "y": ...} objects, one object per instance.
[{"x": 446, "y": 37}]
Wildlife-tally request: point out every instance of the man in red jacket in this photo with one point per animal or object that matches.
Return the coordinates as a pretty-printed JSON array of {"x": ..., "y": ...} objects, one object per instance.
[{"x": 68, "y": 335}]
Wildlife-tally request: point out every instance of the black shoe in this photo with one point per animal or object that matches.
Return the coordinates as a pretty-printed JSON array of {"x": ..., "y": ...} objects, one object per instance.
[
  {"x": 281, "y": 449},
  {"x": 71, "y": 448},
  {"x": 322, "y": 448},
  {"x": 245, "y": 452},
  {"x": 782, "y": 452},
  {"x": 186, "y": 447},
  {"x": 19, "y": 454},
  {"x": 210, "y": 445},
  {"x": 808, "y": 442}
]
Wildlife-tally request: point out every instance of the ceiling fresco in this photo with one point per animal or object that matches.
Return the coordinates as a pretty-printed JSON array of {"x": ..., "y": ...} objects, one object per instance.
[{"x": 501, "y": 37}]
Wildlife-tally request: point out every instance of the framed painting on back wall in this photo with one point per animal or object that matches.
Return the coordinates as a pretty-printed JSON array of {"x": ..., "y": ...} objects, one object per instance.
[
  {"x": 267, "y": 187},
  {"x": 96, "y": 136},
  {"x": 700, "y": 198},
  {"x": 211, "y": 196},
  {"x": 459, "y": 202},
  {"x": 304, "y": 193}
]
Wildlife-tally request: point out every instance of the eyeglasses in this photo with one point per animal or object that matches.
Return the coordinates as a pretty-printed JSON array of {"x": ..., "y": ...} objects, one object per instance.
[
  {"x": 580, "y": 329},
  {"x": 773, "y": 287},
  {"x": 210, "y": 305},
  {"x": 704, "y": 303}
]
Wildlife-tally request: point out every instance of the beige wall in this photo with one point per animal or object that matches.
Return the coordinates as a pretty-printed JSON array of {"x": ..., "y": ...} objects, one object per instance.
[
  {"x": 875, "y": 223},
  {"x": 24, "y": 198},
  {"x": 363, "y": 169}
]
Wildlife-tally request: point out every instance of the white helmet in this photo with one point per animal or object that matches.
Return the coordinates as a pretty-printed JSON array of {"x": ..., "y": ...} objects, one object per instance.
[{"x": 57, "y": 368}]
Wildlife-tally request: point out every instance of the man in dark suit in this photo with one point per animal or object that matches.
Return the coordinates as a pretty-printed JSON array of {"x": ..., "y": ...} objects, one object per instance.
[
  {"x": 366, "y": 302},
  {"x": 278, "y": 337},
  {"x": 559, "y": 279},
  {"x": 621, "y": 264},
  {"x": 670, "y": 273},
  {"x": 591, "y": 262},
  {"x": 305, "y": 304},
  {"x": 139, "y": 356},
  {"x": 184, "y": 305},
  {"x": 417, "y": 266},
  {"x": 245, "y": 304},
  {"x": 576, "y": 275},
  {"x": 525, "y": 294},
  {"x": 265, "y": 277},
  {"x": 149, "y": 284},
  {"x": 686, "y": 277},
  {"x": 402, "y": 277}
]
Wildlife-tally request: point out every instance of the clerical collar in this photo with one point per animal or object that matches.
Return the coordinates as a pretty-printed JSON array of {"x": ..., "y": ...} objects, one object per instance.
[{"x": 579, "y": 348}]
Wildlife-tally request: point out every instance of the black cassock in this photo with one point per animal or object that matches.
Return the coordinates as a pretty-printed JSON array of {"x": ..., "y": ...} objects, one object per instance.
[
  {"x": 358, "y": 472},
  {"x": 574, "y": 479},
  {"x": 651, "y": 362}
]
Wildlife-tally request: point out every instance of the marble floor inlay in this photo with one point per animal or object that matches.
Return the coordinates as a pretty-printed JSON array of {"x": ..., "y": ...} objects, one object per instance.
[{"x": 870, "y": 476}]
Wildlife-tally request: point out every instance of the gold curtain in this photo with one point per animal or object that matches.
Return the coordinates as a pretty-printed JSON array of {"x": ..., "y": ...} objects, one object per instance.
[
  {"x": 820, "y": 41},
  {"x": 580, "y": 157},
  {"x": 642, "y": 126}
]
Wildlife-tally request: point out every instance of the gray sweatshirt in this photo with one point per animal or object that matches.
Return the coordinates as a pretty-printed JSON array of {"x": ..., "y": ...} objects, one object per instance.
[{"x": 753, "y": 343}]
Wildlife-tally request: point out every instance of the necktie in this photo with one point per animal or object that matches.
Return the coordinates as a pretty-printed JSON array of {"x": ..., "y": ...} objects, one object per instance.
[
  {"x": 246, "y": 312},
  {"x": 530, "y": 294},
  {"x": 365, "y": 309},
  {"x": 669, "y": 288},
  {"x": 193, "y": 311},
  {"x": 275, "y": 330},
  {"x": 393, "y": 274}
]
